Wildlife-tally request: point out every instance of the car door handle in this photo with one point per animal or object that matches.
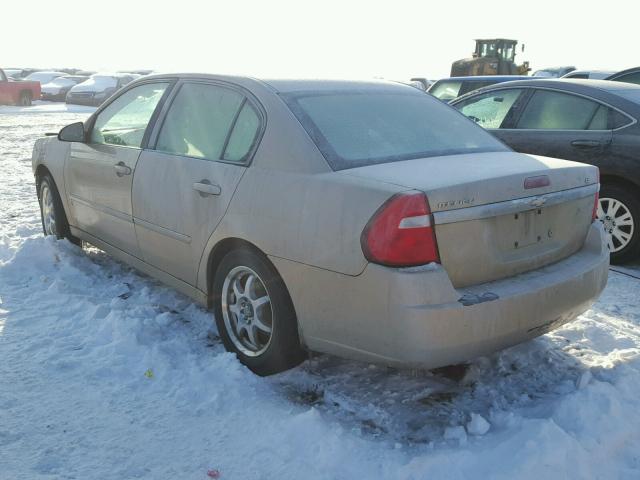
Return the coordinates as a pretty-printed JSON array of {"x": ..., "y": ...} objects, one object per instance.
[
  {"x": 121, "y": 169},
  {"x": 586, "y": 143},
  {"x": 206, "y": 188}
]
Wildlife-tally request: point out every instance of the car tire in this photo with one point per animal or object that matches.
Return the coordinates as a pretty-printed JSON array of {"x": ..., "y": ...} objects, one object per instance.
[
  {"x": 618, "y": 203},
  {"x": 25, "y": 99},
  {"x": 255, "y": 318},
  {"x": 52, "y": 214}
]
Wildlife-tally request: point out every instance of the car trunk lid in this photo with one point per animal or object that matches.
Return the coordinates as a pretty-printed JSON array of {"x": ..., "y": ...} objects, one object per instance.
[{"x": 498, "y": 214}]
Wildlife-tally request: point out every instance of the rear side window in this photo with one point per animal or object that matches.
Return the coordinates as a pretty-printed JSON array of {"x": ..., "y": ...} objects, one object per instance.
[
  {"x": 489, "y": 110},
  {"x": 354, "y": 128},
  {"x": 619, "y": 120},
  {"x": 549, "y": 110},
  {"x": 633, "y": 77},
  {"x": 199, "y": 121},
  {"x": 243, "y": 135},
  {"x": 124, "y": 121}
]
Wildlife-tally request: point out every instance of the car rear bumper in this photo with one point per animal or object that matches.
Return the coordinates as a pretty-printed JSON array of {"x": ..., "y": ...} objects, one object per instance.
[
  {"x": 503, "y": 313},
  {"x": 416, "y": 318}
]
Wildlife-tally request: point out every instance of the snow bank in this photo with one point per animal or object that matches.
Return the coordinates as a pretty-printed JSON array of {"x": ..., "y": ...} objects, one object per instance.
[
  {"x": 42, "y": 106},
  {"x": 106, "y": 374}
]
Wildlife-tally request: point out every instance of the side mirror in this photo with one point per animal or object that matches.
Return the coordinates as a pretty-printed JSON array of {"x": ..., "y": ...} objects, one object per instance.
[{"x": 72, "y": 133}]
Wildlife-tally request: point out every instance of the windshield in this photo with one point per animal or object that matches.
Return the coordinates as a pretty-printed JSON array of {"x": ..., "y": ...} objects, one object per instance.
[
  {"x": 98, "y": 83},
  {"x": 487, "y": 49},
  {"x": 358, "y": 128},
  {"x": 62, "y": 82},
  {"x": 447, "y": 90}
]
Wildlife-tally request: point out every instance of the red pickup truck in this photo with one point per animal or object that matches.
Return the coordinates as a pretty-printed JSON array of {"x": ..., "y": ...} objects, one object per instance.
[{"x": 17, "y": 93}]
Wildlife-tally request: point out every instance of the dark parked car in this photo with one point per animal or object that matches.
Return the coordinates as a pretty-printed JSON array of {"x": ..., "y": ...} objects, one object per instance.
[
  {"x": 448, "y": 89},
  {"x": 98, "y": 88},
  {"x": 56, "y": 90},
  {"x": 589, "y": 74},
  {"x": 590, "y": 121},
  {"x": 631, "y": 75}
]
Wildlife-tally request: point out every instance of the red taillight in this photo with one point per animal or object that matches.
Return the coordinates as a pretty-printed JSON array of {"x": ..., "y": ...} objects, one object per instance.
[
  {"x": 400, "y": 233},
  {"x": 594, "y": 213}
]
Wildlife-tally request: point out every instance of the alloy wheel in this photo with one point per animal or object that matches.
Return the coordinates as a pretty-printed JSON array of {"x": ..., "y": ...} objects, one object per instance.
[
  {"x": 247, "y": 311},
  {"x": 48, "y": 211}
]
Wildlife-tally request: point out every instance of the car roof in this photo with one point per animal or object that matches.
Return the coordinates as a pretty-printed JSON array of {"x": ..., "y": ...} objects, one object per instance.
[
  {"x": 299, "y": 85},
  {"x": 48, "y": 72},
  {"x": 555, "y": 69},
  {"x": 590, "y": 71},
  {"x": 566, "y": 83},
  {"x": 484, "y": 78},
  {"x": 114, "y": 75},
  {"x": 283, "y": 85}
]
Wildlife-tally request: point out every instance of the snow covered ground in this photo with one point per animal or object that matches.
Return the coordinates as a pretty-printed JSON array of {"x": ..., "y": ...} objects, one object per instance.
[{"x": 107, "y": 374}]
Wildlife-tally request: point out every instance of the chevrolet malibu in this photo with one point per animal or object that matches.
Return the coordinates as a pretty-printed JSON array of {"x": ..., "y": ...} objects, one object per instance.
[{"x": 361, "y": 219}]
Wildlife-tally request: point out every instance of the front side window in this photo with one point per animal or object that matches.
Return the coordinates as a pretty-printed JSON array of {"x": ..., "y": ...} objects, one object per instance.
[
  {"x": 490, "y": 110},
  {"x": 354, "y": 128},
  {"x": 124, "y": 121},
  {"x": 199, "y": 121},
  {"x": 549, "y": 110}
]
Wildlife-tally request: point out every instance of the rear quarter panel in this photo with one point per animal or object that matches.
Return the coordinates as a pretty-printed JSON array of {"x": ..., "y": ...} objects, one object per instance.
[
  {"x": 624, "y": 161},
  {"x": 313, "y": 219}
]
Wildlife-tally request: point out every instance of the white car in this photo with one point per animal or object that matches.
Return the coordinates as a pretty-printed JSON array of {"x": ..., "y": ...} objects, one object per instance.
[{"x": 362, "y": 219}]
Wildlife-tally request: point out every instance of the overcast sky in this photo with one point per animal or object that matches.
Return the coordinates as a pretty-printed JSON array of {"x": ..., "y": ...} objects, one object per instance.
[{"x": 323, "y": 38}]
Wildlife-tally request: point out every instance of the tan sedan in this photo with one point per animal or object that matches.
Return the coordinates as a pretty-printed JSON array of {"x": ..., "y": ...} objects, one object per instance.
[{"x": 363, "y": 219}]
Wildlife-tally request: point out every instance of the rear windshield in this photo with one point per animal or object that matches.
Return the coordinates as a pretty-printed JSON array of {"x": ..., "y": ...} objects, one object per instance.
[
  {"x": 358, "y": 128},
  {"x": 447, "y": 90}
]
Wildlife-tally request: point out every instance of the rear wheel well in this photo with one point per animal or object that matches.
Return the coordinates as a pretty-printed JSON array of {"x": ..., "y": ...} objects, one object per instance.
[{"x": 217, "y": 254}]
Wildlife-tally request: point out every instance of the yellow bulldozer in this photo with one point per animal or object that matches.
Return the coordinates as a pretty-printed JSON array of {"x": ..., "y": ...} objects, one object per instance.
[{"x": 494, "y": 56}]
